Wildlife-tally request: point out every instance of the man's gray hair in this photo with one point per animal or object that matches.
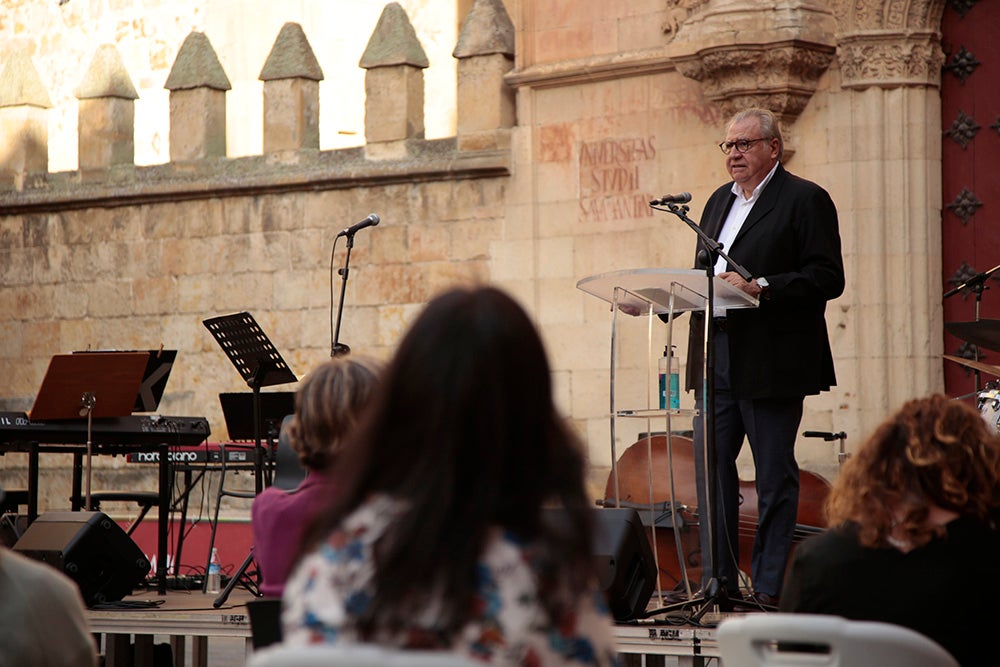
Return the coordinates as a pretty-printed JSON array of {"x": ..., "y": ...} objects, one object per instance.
[{"x": 769, "y": 128}]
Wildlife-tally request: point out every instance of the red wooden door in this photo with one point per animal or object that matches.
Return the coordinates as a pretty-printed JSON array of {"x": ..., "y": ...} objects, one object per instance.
[{"x": 970, "y": 217}]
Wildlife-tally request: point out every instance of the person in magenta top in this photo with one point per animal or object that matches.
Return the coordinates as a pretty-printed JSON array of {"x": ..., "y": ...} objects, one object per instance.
[{"x": 327, "y": 406}]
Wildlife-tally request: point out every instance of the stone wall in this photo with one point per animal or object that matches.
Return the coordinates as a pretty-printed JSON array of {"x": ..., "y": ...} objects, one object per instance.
[{"x": 118, "y": 256}]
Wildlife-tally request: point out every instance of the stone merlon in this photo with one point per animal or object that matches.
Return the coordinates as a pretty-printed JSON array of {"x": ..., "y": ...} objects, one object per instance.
[
  {"x": 20, "y": 84},
  {"x": 197, "y": 66},
  {"x": 394, "y": 42},
  {"x": 106, "y": 77},
  {"x": 486, "y": 30},
  {"x": 291, "y": 57}
]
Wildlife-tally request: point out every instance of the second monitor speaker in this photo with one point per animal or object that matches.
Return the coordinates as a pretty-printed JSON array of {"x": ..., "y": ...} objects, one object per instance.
[{"x": 623, "y": 560}]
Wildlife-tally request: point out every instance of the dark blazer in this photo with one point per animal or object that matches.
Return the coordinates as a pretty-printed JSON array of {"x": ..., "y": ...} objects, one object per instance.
[{"x": 791, "y": 237}]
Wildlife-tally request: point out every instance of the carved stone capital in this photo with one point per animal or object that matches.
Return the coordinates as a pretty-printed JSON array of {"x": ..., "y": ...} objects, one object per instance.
[
  {"x": 757, "y": 54},
  {"x": 890, "y": 59},
  {"x": 779, "y": 77}
]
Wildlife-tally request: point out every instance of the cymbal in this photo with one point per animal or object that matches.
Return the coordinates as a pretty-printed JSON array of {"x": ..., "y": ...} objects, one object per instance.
[
  {"x": 984, "y": 333},
  {"x": 976, "y": 365}
]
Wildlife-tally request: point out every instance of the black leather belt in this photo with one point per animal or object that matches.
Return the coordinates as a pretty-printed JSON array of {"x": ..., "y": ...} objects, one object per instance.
[{"x": 721, "y": 323}]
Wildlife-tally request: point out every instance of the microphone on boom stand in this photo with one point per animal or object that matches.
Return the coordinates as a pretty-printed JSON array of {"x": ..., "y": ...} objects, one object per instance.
[
  {"x": 338, "y": 349},
  {"x": 679, "y": 198}
]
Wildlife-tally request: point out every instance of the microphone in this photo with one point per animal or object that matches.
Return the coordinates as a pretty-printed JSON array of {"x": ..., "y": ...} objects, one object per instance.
[
  {"x": 681, "y": 198},
  {"x": 826, "y": 436},
  {"x": 370, "y": 221}
]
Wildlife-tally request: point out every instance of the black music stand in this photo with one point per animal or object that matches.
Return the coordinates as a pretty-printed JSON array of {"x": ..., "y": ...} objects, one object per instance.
[
  {"x": 257, "y": 361},
  {"x": 260, "y": 364}
]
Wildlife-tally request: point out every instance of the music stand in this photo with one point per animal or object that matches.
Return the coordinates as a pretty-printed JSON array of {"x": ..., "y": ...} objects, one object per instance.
[
  {"x": 154, "y": 379},
  {"x": 113, "y": 377},
  {"x": 260, "y": 364},
  {"x": 89, "y": 385}
]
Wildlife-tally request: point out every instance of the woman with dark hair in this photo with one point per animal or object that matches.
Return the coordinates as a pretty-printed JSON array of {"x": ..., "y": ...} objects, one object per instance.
[
  {"x": 327, "y": 406},
  {"x": 916, "y": 513},
  {"x": 439, "y": 541}
]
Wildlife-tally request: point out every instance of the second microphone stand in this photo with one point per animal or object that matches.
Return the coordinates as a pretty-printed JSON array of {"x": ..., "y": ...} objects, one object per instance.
[{"x": 338, "y": 349}]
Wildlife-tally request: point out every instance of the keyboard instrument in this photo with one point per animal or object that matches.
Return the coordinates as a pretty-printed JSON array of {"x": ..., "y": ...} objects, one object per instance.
[{"x": 141, "y": 430}]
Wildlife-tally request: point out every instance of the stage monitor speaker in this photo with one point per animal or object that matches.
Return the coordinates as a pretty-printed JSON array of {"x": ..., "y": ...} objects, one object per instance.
[
  {"x": 623, "y": 560},
  {"x": 91, "y": 549}
]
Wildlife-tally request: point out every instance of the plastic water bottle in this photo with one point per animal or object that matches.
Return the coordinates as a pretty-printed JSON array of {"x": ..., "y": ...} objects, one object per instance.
[{"x": 214, "y": 584}]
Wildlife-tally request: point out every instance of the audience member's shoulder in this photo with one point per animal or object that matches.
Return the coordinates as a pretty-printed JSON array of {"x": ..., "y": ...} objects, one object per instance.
[
  {"x": 30, "y": 573},
  {"x": 269, "y": 496},
  {"x": 968, "y": 528},
  {"x": 32, "y": 587},
  {"x": 836, "y": 538}
]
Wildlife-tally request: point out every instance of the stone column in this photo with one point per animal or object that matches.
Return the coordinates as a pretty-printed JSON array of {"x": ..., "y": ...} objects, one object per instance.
[
  {"x": 106, "y": 134},
  {"x": 394, "y": 84},
  {"x": 291, "y": 77},
  {"x": 197, "y": 85},
  {"x": 485, "y": 53},
  {"x": 886, "y": 135},
  {"x": 23, "y": 121}
]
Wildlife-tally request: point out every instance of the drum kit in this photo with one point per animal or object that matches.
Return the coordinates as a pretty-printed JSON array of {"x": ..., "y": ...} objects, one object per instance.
[{"x": 984, "y": 334}]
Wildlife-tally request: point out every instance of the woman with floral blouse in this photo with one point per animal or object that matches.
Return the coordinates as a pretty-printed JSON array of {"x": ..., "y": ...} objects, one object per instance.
[{"x": 438, "y": 540}]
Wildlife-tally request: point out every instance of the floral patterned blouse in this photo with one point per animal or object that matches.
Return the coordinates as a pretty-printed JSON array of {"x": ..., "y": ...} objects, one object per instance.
[{"x": 507, "y": 625}]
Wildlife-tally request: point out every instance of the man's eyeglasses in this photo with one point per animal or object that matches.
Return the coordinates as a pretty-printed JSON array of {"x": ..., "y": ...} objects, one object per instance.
[{"x": 741, "y": 145}]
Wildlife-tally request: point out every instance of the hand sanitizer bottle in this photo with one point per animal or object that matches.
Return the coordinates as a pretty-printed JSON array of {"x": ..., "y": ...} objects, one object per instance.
[
  {"x": 214, "y": 584},
  {"x": 675, "y": 380}
]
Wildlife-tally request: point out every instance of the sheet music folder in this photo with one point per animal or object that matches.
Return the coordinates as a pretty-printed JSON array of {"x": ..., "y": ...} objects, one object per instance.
[
  {"x": 237, "y": 408},
  {"x": 113, "y": 378}
]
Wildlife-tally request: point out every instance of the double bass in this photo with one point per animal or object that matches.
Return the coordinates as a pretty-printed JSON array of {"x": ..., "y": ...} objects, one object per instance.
[{"x": 636, "y": 471}]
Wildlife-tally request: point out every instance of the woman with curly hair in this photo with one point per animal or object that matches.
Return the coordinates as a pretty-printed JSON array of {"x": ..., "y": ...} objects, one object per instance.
[
  {"x": 327, "y": 406},
  {"x": 439, "y": 541},
  {"x": 915, "y": 541}
]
